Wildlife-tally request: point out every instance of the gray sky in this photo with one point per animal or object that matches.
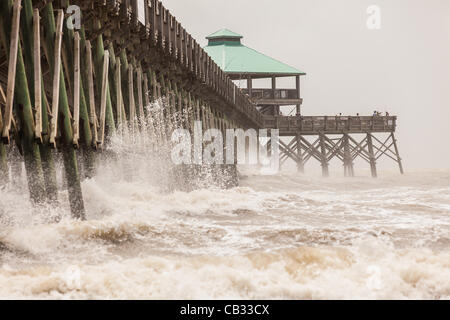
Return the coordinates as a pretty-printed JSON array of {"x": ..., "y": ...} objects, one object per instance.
[{"x": 403, "y": 68}]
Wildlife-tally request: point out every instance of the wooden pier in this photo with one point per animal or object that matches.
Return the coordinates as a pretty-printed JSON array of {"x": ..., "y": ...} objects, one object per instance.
[
  {"x": 336, "y": 137},
  {"x": 71, "y": 89}
]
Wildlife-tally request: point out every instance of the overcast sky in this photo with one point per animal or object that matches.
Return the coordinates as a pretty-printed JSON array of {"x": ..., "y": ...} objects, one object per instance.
[{"x": 403, "y": 68}]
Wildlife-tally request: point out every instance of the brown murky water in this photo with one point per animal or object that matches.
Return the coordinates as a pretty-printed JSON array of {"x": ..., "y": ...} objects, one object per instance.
[{"x": 275, "y": 237}]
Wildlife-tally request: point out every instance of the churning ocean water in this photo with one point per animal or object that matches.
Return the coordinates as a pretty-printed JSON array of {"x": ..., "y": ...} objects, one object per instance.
[{"x": 285, "y": 236}]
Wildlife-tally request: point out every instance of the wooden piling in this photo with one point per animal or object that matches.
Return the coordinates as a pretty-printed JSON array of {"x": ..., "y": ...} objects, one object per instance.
[
  {"x": 100, "y": 53},
  {"x": 373, "y": 164},
  {"x": 4, "y": 171},
  {"x": 22, "y": 104},
  {"x": 13, "y": 40},
  {"x": 323, "y": 157},
  {"x": 85, "y": 125},
  {"x": 64, "y": 118},
  {"x": 300, "y": 163},
  {"x": 103, "y": 101},
  {"x": 91, "y": 94},
  {"x": 399, "y": 159},
  {"x": 348, "y": 159},
  {"x": 32, "y": 50}
]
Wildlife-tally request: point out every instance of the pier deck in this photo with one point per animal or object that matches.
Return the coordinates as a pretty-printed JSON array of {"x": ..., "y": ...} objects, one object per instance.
[{"x": 313, "y": 125}]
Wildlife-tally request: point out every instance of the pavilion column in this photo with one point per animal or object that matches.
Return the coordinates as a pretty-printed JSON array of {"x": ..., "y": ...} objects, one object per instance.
[
  {"x": 276, "y": 109},
  {"x": 297, "y": 86},
  {"x": 250, "y": 87}
]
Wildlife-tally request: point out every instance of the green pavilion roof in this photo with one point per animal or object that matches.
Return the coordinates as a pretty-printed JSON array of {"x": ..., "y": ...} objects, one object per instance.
[
  {"x": 237, "y": 60},
  {"x": 224, "y": 33}
]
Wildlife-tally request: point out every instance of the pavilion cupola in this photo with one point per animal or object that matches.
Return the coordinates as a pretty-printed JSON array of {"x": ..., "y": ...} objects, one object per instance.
[{"x": 223, "y": 36}]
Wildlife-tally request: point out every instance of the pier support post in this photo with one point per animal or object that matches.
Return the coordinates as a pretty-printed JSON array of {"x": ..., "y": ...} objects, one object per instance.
[
  {"x": 22, "y": 103},
  {"x": 75, "y": 46},
  {"x": 300, "y": 161},
  {"x": 373, "y": 164},
  {"x": 399, "y": 159},
  {"x": 323, "y": 157},
  {"x": 102, "y": 85},
  {"x": 32, "y": 52},
  {"x": 64, "y": 116},
  {"x": 4, "y": 174},
  {"x": 348, "y": 160}
]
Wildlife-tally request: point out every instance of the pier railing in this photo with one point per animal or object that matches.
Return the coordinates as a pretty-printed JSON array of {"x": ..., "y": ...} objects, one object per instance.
[
  {"x": 274, "y": 97},
  {"x": 155, "y": 23},
  {"x": 329, "y": 125}
]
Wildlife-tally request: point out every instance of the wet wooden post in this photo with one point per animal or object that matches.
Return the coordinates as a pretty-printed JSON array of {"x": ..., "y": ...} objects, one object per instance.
[
  {"x": 52, "y": 43},
  {"x": 76, "y": 90},
  {"x": 101, "y": 55},
  {"x": 132, "y": 106},
  {"x": 372, "y": 160},
  {"x": 149, "y": 98},
  {"x": 348, "y": 159},
  {"x": 112, "y": 85},
  {"x": 4, "y": 170},
  {"x": 57, "y": 76},
  {"x": 18, "y": 95},
  {"x": 300, "y": 162},
  {"x": 399, "y": 159},
  {"x": 37, "y": 69},
  {"x": 13, "y": 40},
  {"x": 32, "y": 48},
  {"x": 119, "y": 100},
  {"x": 103, "y": 100},
  {"x": 323, "y": 156},
  {"x": 82, "y": 121},
  {"x": 91, "y": 93}
]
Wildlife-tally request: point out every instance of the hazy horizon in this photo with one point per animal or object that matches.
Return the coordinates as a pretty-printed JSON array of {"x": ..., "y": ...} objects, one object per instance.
[{"x": 403, "y": 68}]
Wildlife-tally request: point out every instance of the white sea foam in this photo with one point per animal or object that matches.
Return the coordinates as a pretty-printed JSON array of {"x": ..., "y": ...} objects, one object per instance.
[{"x": 283, "y": 237}]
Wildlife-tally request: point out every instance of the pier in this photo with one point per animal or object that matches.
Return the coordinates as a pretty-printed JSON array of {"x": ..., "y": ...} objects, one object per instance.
[{"x": 70, "y": 90}]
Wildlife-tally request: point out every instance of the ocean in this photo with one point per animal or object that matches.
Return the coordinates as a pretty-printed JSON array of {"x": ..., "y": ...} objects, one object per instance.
[{"x": 284, "y": 236}]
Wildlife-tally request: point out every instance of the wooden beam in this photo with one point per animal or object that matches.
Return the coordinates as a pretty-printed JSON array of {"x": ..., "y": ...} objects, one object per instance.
[
  {"x": 119, "y": 105},
  {"x": 104, "y": 97},
  {"x": 2, "y": 94},
  {"x": 131, "y": 99},
  {"x": 37, "y": 76},
  {"x": 69, "y": 154},
  {"x": 373, "y": 164},
  {"x": 324, "y": 160},
  {"x": 399, "y": 159},
  {"x": 140, "y": 98},
  {"x": 76, "y": 89},
  {"x": 56, "y": 77},
  {"x": 90, "y": 76},
  {"x": 348, "y": 160},
  {"x": 13, "y": 50}
]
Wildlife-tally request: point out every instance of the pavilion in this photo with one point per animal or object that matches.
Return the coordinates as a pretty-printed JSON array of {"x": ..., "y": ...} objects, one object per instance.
[{"x": 241, "y": 62}]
